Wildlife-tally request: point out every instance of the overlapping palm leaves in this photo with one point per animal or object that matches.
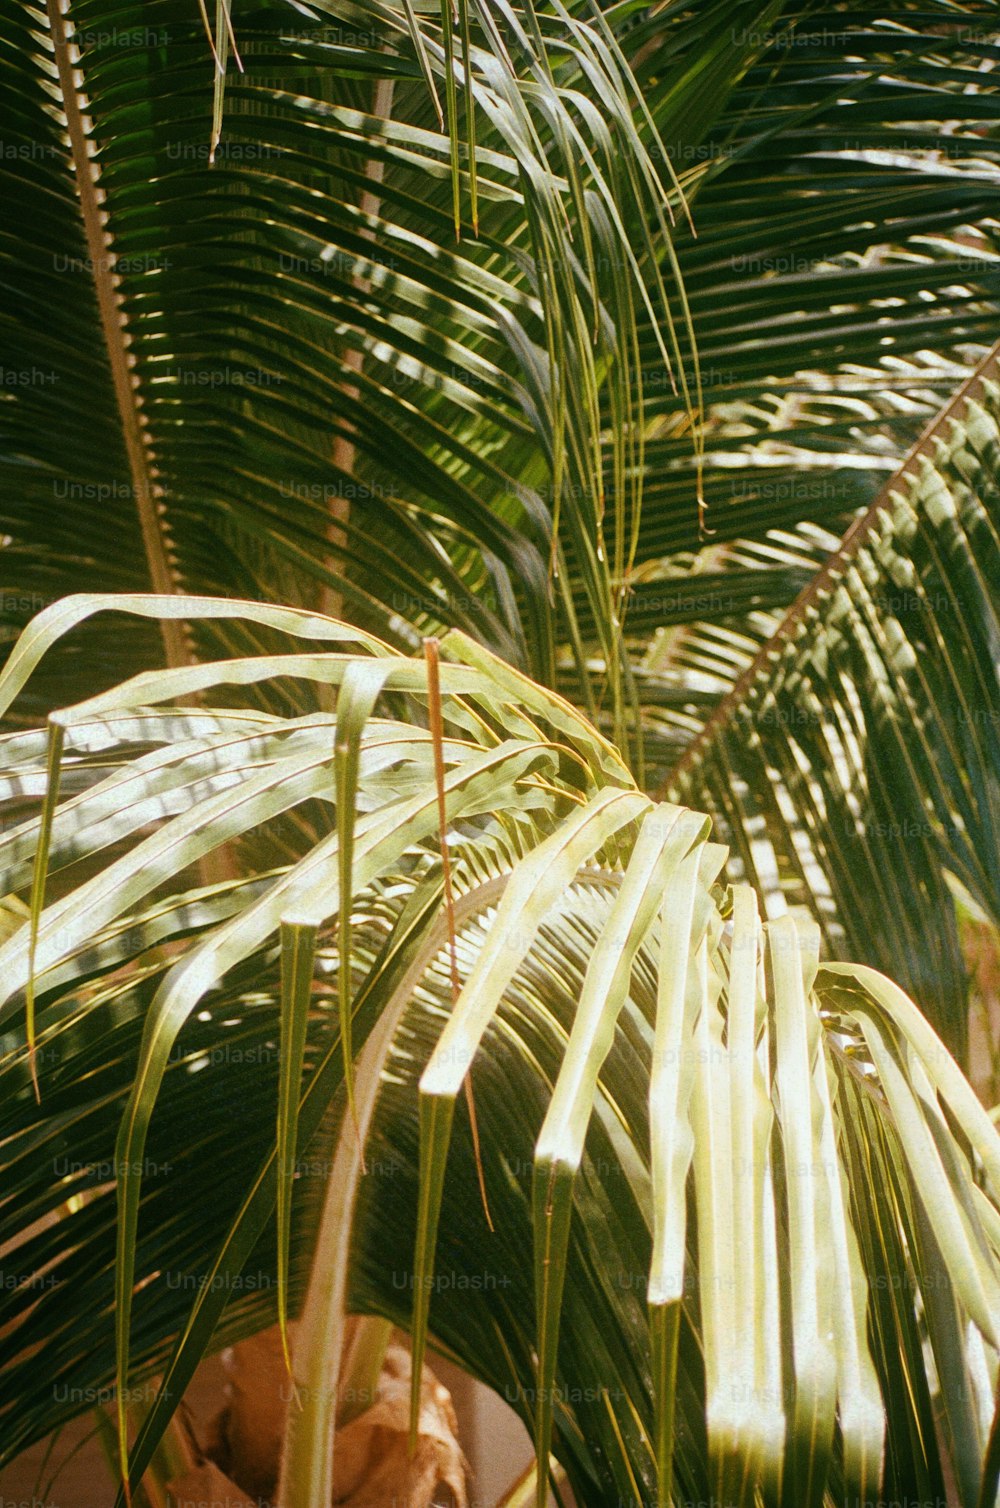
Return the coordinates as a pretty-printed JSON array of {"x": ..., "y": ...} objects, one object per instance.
[
  {"x": 490, "y": 393},
  {"x": 720, "y": 1142},
  {"x": 840, "y": 171},
  {"x": 854, "y": 764},
  {"x": 306, "y": 280},
  {"x": 841, "y": 178}
]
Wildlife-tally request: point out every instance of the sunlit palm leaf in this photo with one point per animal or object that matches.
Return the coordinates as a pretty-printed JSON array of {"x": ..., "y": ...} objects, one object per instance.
[
  {"x": 814, "y": 1097},
  {"x": 854, "y": 766}
]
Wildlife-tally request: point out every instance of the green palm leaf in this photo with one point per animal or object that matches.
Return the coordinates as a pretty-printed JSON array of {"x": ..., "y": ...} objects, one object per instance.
[
  {"x": 663, "y": 1055},
  {"x": 853, "y": 764}
]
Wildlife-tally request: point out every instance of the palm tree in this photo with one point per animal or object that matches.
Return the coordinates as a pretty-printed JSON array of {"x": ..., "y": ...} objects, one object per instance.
[{"x": 625, "y": 465}]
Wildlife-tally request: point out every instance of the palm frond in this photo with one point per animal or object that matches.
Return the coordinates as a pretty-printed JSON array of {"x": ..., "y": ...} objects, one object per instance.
[
  {"x": 507, "y": 403},
  {"x": 853, "y": 764},
  {"x": 674, "y": 1062}
]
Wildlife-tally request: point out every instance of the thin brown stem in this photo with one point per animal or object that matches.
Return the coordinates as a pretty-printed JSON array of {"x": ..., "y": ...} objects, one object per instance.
[{"x": 146, "y": 489}]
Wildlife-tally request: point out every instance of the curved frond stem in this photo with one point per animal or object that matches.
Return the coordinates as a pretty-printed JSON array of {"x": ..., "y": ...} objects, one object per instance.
[
  {"x": 147, "y": 490},
  {"x": 855, "y": 537}
]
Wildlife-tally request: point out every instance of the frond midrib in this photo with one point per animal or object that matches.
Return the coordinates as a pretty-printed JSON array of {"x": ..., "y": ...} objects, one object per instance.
[{"x": 147, "y": 492}]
